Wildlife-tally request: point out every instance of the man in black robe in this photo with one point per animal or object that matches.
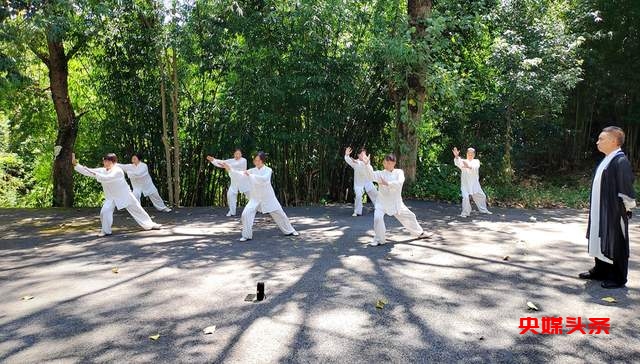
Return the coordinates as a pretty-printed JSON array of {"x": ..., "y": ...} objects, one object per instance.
[{"x": 612, "y": 198}]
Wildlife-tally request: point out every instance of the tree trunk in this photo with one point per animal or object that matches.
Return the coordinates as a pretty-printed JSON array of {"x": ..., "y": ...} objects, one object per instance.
[
  {"x": 67, "y": 123},
  {"x": 418, "y": 11},
  {"x": 507, "y": 165},
  {"x": 165, "y": 130},
  {"x": 176, "y": 137}
]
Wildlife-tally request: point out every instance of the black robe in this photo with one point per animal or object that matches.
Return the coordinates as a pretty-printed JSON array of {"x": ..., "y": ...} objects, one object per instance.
[{"x": 616, "y": 178}]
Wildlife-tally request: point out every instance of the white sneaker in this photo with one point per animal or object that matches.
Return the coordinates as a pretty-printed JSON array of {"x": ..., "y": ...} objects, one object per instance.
[
  {"x": 156, "y": 227},
  {"x": 486, "y": 212},
  {"x": 376, "y": 243},
  {"x": 295, "y": 233},
  {"x": 464, "y": 215},
  {"x": 244, "y": 239},
  {"x": 167, "y": 210},
  {"x": 354, "y": 214},
  {"x": 425, "y": 235},
  {"x": 230, "y": 214}
]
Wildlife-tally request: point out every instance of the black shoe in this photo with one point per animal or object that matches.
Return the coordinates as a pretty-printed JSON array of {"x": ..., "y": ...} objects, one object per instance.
[
  {"x": 589, "y": 275},
  {"x": 611, "y": 284}
]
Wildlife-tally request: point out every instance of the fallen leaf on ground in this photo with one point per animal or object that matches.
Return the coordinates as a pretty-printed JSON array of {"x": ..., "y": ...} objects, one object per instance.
[
  {"x": 506, "y": 257},
  {"x": 26, "y": 298},
  {"x": 154, "y": 337},
  {"x": 209, "y": 330},
  {"x": 114, "y": 270},
  {"x": 609, "y": 299},
  {"x": 532, "y": 306},
  {"x": 380, "y": 304}
]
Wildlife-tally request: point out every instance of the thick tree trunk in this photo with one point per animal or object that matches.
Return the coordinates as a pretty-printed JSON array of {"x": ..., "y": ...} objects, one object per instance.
[
  {"x": 176, "y": 137},
  {"x": 418, "y": 11},
  {"x": 67, "y": 123}
]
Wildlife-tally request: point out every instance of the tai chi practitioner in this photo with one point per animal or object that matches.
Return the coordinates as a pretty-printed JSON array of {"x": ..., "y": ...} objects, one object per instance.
[
  {"x": 361, "y": 180},
  {"x": 389, "y": 200},
  {"x": 116, "y": 194},
  {"x": 470, "y": 182},
  {"x": 262, "y": 198},
  {"x": 238, "y": 184},
  {"x": 141, "y": 182},
  {"x": 612, "y": 198}
]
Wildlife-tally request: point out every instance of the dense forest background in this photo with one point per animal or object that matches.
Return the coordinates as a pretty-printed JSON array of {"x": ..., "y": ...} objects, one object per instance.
[{"x": 527, "y": 83}]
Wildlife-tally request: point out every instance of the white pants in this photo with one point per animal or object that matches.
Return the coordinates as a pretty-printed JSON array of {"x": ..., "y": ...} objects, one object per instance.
[
  {"x": 232, "y": 198},
  {"x": 155, "y": 198},
  {"x": 404, "y": 216},
  {"x": 479, "y": 198},
  {"x": 359, "y": 192},
  {"x": 136, "y": 211},
  {"x": 249, "y": 215}
]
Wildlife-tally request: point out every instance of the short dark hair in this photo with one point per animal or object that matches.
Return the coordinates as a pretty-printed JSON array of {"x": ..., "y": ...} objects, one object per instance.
[
  {"x": 137, "y": 155},
  {"x": 237, "y": 150},
  {"x": 110, "y": 157},
  {"x": 616, "y": 132},
  {"x": 362, "y": 150},
  {"x": 262, "y": 155},
  {"x": 390, "y": 157}
]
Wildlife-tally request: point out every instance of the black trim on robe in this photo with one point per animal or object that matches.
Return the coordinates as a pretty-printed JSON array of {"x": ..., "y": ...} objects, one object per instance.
[{"x": 616, "y": 178}]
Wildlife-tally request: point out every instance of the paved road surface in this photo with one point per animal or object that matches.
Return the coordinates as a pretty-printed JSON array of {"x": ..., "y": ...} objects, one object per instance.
[{"x": 450, "y": 299}]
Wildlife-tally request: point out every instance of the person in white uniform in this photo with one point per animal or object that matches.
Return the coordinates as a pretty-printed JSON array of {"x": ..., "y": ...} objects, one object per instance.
[
  {"x": 238, "y": 184},
  {"x": 470, "y": 182},
  {"x": 116, "y": 194},
  {"x": 361, "y": 181},
  {"x": 389, "y": 200},
  {"x": 141, "y": 182},
  {"x": 262, "y": 198}
]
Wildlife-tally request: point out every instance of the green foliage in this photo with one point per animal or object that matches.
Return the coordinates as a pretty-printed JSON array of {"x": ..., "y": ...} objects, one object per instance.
[{"x": 303, "y": 80}]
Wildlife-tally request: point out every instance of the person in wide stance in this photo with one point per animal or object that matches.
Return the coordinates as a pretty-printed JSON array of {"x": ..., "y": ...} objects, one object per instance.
[
  {"x": 238, "y": 184},
  {"x": 612, "y": 198},
  {"x": 361, "y": 181},
  {"x": 389, "y": 200},
  {"x": 262, "y": 198},
  {"x": 141, "y": 182},
  {"x": 116, "y": 193},
  {"x": 470, "y": 182}
]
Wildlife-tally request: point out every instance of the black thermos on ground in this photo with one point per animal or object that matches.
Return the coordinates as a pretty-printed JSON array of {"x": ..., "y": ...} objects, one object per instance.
[{"x": 260, "y": 295}]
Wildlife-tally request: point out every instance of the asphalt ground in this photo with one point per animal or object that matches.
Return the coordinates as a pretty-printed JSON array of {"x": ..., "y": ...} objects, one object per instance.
[{"x": 458, "y": 297}]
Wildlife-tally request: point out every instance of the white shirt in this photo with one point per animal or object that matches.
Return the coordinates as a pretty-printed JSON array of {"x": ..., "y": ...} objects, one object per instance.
[
  {"x": 140, "y": 177},
  {"x": 241, "y": 184},
  {"x": 262, "y": 194},
  {"x": 594, "y": 229},
  {"x": 360, "y": 175},
  {"x": 389, "y": 197},
  {"x": 469, "y": 177},
  {"x": 113, "y": 183}
]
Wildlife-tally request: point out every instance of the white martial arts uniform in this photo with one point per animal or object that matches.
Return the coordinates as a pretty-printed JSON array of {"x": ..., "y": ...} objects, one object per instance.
[
  {"x": 263, "y": 199},
  {"x": 361, "y": 182},
  {"x": 116, "y": 195},
  {"x": 470, "y": 185},
  {"x": 238, "y": 184},
  {"x": 389, "y": 201},
  {"x": 143, "y": 185}
]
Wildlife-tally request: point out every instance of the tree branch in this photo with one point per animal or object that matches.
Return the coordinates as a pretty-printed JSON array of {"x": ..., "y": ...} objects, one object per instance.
[
  {"x": 76, "y": 48},
  {"x": 42, "y": 56}
]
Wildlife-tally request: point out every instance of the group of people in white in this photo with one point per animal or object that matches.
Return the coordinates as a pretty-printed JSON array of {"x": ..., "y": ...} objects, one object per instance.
[{"x": 255, "y": 184}]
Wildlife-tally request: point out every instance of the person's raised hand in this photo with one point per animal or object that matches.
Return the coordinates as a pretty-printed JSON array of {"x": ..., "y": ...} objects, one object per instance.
[
  {"x": 456, "y": 152},
  {"x": 210, "y": 158},
  {"x": 348, "y": 151}
]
